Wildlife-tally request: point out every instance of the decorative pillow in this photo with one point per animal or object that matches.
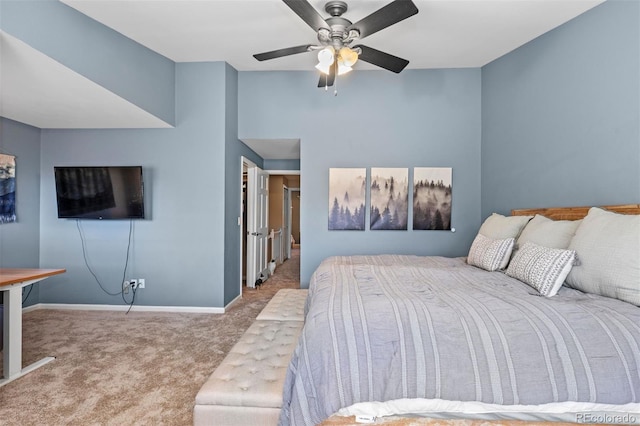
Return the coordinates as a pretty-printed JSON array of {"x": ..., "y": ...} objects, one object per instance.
[
  {"x": 607, "y": 246},
  {"x": 499, "y": 227},
  {"x": 543, "y": 268},
  {"x": 547, "y": 233},
  {"x": 490, "y": 254}
]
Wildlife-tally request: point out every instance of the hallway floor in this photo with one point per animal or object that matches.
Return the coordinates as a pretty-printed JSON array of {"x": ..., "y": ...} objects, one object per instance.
[{"x": 286, "y": 275}]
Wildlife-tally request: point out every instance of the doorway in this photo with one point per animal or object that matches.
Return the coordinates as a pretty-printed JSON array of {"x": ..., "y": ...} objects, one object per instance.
[{"x": 283, "y": 197}]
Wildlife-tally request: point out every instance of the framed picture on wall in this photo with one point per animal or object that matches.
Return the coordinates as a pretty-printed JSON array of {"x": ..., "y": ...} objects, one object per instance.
[
  {"x": 7, "y": 188},
  {"x": 432, "y": 193},
  {"x": 347, "y": 192},
  {"x": 389, "y": 198}
]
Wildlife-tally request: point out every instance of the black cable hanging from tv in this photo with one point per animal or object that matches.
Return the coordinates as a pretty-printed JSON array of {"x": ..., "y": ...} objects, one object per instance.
[{"x": 124, "y": 271}]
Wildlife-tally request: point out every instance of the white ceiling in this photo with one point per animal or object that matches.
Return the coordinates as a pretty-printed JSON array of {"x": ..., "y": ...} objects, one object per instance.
[{"x": 444, "y": 34}]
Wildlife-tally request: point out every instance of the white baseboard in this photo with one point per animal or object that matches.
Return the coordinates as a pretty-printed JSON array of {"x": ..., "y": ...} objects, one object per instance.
[
  {"x": 233, "y": 302},
  {"x": 135, "y": 308}
]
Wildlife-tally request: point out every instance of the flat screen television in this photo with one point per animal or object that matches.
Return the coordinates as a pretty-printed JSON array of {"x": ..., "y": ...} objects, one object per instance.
[{"x": 100, "y": 192}]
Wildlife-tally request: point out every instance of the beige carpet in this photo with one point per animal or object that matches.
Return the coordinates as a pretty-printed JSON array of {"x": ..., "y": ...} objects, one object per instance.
[{"x": 134, "y": 369}]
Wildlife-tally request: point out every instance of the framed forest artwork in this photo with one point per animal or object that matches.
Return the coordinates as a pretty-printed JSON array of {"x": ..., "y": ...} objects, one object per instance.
[
  {"x": 347, "y": 192},
  {"x": 432, "y": 198},
  {"x": 7, "y": 188},
  {"x": 389, "y": 198}
]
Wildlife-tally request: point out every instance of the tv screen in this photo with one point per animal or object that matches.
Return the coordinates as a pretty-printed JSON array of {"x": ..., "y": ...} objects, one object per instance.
[{"x": 99, "y": 192}]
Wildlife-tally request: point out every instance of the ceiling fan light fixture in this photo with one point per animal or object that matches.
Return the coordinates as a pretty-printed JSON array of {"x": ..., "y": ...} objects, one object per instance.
[
  {"x": 326, "y": 56},
  {"x": 323, "y": 68},
  {"x": 348, "y": 56},
  {"x": 343, "y": 69}
]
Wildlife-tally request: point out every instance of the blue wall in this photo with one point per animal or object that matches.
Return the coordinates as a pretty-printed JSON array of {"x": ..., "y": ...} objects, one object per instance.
[
  {"x": 19, "y": 241},
  {"x": 234, "y": 150},
  {"x": 180, "y": 247},
  {"x": 379, "y": 119},
  {"x": 282, "y": 164},
  {"x": 560, "y": 116}
]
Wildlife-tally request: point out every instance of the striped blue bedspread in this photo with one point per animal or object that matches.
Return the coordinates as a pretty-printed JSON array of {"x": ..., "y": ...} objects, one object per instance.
[{"x": 386, "y": 327}]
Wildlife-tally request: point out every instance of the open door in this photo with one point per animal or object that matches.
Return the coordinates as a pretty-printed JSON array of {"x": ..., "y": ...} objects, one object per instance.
[{"x": 257, "y": 224}]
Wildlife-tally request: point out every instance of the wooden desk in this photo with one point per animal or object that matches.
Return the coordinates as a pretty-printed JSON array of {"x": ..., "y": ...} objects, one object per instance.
[{"x": 11, "y": 283}]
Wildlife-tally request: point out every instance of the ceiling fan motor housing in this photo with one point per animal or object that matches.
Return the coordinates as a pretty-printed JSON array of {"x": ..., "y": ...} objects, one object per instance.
[{"x": 338, "y": 36}]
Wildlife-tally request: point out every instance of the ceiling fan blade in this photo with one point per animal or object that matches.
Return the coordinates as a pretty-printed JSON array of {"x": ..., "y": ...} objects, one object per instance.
[
  {"x": 327, "y": 80},
  {"x": 282, "y": 52},
  {"x": 381, "y": 59},
  {"x": 384, "y": 17},
  {"x": 304, "y": 10}
]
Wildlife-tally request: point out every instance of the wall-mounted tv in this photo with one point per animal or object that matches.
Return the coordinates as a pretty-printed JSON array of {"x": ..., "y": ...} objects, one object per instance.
[{"x": 100, "y": 192}]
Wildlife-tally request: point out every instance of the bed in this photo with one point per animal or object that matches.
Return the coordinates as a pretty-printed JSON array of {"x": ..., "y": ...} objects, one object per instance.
[{"x": 493, "y": 335}]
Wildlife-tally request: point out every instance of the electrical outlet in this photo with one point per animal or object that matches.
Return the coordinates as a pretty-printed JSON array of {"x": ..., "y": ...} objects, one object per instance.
[
  {"x": 140, "y": 282},
  {"x": 125, "y": 287},
  {"x": 134, "y": 284}
]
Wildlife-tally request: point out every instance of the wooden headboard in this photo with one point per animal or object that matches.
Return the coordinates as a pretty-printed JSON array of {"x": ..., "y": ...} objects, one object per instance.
[{"x": 574, "y": 213}]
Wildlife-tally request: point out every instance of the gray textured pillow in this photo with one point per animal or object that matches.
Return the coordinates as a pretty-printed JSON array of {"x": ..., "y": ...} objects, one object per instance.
[
  {"x": 607, "y": 245},
  {"x": 499, "y": 227},
  {"x": 490, "y": 254},
  {"x": 543, "y": 268},
  {"x": 548, "y": 233}
]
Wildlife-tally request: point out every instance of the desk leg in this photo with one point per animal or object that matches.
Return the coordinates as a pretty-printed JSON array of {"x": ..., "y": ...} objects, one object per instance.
[
  {"x": 12, "y": 351},
  {"x": 12, "y": 332}
]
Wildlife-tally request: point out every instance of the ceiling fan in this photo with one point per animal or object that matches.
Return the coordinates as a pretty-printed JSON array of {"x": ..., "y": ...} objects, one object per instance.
[{"x": 336, "y": 35}]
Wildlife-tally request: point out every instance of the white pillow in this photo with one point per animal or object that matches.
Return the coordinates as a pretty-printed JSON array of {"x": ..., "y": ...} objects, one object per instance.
[
  {"x": 490, "y": 254},
  {"x": 499, "y": 227},
  {"x": 543, "y": 268},
  {"x": 548, "y": 233},
  {"x": 607, "y": 245}
]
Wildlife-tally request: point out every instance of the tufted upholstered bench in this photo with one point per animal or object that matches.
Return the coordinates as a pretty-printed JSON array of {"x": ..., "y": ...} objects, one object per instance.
[
  {"x": 246, "y": 388},
  {"x": 286, "y": 305}
]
